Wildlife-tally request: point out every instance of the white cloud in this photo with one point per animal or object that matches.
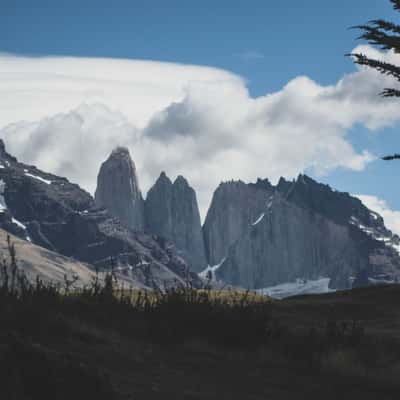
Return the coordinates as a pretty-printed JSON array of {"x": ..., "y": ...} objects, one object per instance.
[
  {"x": 71, "y": 144},
  {"x": 391, "y": 217},
  {"x": 36, "y": 87},
  {"x": 197, "y": 121}
]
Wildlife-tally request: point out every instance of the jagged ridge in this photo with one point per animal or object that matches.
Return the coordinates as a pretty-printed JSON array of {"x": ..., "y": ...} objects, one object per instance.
[
  {"x": 171, "y": 211},
  {"x": 268, "y": 235},
  {"x": 62, "y": 217}
]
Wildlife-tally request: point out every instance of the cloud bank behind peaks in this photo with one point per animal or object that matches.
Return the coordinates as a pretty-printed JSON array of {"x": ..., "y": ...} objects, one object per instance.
[
  {"x": 197, "y": 121},
  {"x": 36, "y": 87}
]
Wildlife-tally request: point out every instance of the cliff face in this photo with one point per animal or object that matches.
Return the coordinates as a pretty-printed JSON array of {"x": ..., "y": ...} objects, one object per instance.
[
  {"x": 158, "y": 207},
  {"x": 60, "y": 216},
  {"x": 337, "y": 206},
  {"x": 288, "y": 242},
  {"x": 172, "y": 212},
  {"x": 118, "y": 189},
  {"x": 254, "y": 236},
  {"x": 264, "y": 235},
  {"x": 234, "y": 207}
]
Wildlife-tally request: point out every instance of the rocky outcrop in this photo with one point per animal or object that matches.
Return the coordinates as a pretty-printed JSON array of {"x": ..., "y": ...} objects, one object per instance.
[
  {"x": 255, "y": 235},
  {"x": 64, "y": 218},
  {"x": 158, "y": 207},
  {"x": 118, "y": 189},
  {"x": 172, "y": 212},
  {"x": 337, "y": 206},
  {"x": 288, "y": 242},
  {"x": 234, "y": 207},
  {"x": 266, "y": 235}
]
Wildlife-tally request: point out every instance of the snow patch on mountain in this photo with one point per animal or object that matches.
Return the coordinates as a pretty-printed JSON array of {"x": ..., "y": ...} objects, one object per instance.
[
  {"x": 211, "y": 269},
  {"x": 3, "y": 208},
  {"x": 300, "y": 286},
  {"x": 381, "y": 281},
  {"x": 20, "y": 224},
  {"x": 259, "y": 219},
  {"x": 389, "y": 240},
  {"x": 37, "y": 177}
]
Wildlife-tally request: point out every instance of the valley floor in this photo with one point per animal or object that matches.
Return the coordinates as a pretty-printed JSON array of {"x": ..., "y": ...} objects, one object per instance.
[{"x": 343, "y": 345}]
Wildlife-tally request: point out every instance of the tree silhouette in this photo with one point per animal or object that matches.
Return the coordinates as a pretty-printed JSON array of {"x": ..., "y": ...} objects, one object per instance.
[{"x": 386, "y": 36}]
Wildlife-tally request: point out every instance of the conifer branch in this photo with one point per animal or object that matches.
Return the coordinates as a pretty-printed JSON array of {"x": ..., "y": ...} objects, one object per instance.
[
  {"x": 381, "y": 66},
  {"x": 396, "y": 4}
]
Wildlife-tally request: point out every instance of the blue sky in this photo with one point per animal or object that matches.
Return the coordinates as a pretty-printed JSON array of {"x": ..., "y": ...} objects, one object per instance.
[
  {"x": 307, "y": 37},
  {"x": 268, "y": 43}
]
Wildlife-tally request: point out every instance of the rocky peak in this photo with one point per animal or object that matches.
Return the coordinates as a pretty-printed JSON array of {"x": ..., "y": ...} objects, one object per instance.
[
  {"x": 60, "y": 216},
  {"x": 340, "y": 207},
  {"x": 158, "y": 207},
  {"x": 263, "y": 184},
  {"x": 121, "y": 152},
  {"x": 258, "y": 235},
  {"x": 182, "y": 190},
  {"x": 181, "y": 181},
  {"x": 283, "y": 185},
  {"x": 118, "y": 189},
  {"x": 172, "y": 212},
  {"x": 163, "y": 180}
]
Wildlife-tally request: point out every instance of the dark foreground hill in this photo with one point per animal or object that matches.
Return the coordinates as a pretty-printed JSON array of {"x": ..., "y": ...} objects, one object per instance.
[{"x": 196, "y": 345}]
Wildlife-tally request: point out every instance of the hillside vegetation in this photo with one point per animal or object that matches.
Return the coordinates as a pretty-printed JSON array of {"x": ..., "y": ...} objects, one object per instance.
[{"x": 103, "y": 343}]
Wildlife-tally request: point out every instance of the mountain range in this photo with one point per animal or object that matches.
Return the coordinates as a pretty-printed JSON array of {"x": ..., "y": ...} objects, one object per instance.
[
  {"x": 255, "y": 235},
  {"x": 260, "y": 235}
]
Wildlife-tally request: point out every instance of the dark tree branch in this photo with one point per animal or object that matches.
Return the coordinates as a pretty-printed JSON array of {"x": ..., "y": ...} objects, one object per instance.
[
  {"x": 385, "y": 25},
  {"x": 384, "y": 35},
  {"x": 396, "y": 4},
  {"x": 381, "y": 66},
  {"x": 393, "y": 157},
  {"x": 389, "y": 92},
  {"x": 379, "y": 38}
]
